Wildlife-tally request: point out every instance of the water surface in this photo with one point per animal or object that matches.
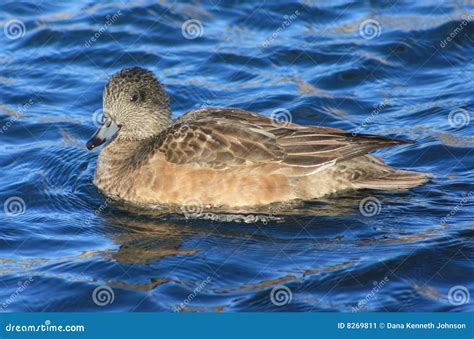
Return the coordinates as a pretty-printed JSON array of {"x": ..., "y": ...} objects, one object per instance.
[{"x": 395, "y": 75}]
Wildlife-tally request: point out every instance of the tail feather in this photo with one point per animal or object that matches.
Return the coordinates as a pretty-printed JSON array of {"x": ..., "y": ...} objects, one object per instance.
[{"x": 396, "y": 180}]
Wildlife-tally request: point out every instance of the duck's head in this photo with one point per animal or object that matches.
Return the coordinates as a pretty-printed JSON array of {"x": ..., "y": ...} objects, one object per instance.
[{"x": 135, "y": 107}]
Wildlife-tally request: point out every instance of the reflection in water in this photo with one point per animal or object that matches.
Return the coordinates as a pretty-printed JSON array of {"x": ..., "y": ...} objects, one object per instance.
[
  {"x": 141, "y": 241},
  {"x": 321, "y": 250}
]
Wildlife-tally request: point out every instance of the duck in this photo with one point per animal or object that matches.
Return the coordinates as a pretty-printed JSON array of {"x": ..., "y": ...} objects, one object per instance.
[{"x": 226, "y": 157}]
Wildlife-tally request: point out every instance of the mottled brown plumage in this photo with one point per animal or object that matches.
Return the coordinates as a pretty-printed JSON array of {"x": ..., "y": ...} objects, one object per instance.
[{"x": 227, "y": 156}]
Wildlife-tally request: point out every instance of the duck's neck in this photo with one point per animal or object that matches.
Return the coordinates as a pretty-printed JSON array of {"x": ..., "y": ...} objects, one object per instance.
[
  {"x": 116, "y": 165},
  {"x": 117, "y": 155}
]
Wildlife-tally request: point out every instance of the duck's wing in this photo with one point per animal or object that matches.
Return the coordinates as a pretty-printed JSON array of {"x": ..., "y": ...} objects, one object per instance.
[
  {"x": 218, "y": 143},
  {"x": 219, "y": 138}
]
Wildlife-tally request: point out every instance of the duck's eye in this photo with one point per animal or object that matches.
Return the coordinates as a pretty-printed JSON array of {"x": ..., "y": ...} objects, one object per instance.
[{"x": 134, "y": 98}]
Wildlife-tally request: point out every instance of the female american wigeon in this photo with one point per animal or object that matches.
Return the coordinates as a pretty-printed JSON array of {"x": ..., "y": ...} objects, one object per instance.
[{"x": 226, "y": 156}]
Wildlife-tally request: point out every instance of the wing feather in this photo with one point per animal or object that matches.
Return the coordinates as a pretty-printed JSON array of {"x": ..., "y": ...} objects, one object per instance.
[{"x": 219, "y": 138}]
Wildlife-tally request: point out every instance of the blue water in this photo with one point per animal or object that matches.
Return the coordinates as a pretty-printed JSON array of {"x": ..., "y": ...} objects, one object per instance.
[{"x": 64, "y": 248}]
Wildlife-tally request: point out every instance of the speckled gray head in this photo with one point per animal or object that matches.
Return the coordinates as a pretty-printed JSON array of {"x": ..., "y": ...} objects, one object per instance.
[{"x": 135, "y": 107}]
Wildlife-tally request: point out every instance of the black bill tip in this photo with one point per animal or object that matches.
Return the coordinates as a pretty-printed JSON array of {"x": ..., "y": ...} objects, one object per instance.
[{"x": 94, "y": 142}]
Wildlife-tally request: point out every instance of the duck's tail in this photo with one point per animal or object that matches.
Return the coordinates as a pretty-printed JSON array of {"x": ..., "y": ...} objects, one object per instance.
[{"x": 397, "y": 180}]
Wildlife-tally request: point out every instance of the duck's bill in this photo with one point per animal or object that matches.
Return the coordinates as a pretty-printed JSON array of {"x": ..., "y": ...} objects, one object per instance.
[{"x": 104, "y": 133}]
